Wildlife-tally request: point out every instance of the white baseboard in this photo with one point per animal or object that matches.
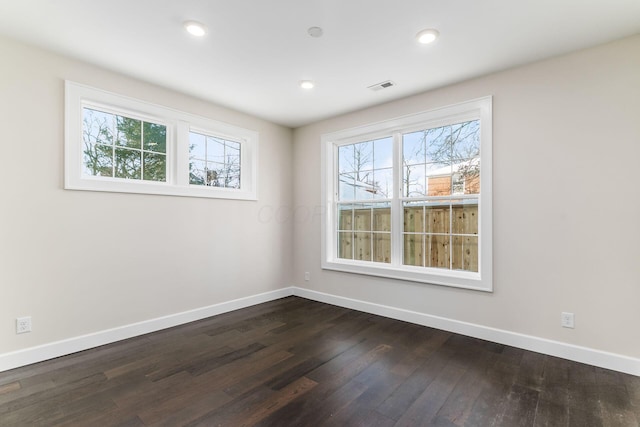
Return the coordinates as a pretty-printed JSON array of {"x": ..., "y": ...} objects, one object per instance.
[
  {"x": 576, "y": 353},
  {"x": 586, "y": 355},
  {"x": 31, "y": 355}
]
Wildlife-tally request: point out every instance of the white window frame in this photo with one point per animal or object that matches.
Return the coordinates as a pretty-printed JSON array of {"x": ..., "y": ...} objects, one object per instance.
[
  {"x": 479, "y": 109},
  {"x": 178, "y": 125}
]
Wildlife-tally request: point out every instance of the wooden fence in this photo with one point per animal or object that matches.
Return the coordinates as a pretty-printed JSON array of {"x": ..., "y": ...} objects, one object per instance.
[{"x": 431, "y": 237}]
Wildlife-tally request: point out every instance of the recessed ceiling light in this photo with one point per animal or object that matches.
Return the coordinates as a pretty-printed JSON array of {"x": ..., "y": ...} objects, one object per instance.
[
  {"x": 315, "y": 32},
  {"x": 427, "y": 36},
  {"x": 195, "y": 28},
  {"x": 306, "y": 84}
]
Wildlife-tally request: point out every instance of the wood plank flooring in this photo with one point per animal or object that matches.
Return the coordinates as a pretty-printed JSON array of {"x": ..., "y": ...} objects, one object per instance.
[{"x": 295, "y": 362}]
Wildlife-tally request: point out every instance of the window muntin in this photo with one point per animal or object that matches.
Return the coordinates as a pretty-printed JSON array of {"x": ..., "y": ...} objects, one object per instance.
[
  {"x": 439, "y": 203},
  {"x": 119, "y": 144},
  {"x": 214, "y": 161}
]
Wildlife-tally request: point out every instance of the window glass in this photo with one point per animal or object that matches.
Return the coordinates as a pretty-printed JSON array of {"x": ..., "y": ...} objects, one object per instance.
[
  {"x": 410, "y": 199},
  {"x": 119, "y": 144},
  {"x": 214, "y": 161},
  {"x": 113, "y": 147}
]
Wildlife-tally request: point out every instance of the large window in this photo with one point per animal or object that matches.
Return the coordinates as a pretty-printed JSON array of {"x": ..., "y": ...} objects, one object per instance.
[
  {"x": 115, "y": 143},
  {"x": 410, "y": 198}
]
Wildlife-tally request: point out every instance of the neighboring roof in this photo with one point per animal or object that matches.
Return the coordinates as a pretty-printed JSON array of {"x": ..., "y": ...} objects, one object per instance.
[
  {"x": 455, "y": 168},
  {"x": 363, "y": 190}
]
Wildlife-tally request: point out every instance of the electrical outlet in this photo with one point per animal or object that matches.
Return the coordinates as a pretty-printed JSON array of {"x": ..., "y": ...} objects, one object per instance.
[
  {"x": 566, "y": 320},
  {"x": 307, "y": 276},
  {"x": 23, "y": 325}
]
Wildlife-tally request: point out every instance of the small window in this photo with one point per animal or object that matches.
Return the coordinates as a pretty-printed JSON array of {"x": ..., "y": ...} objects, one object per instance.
[
  {"x": 214, "y": 161},
  {"x": 123, "y": 147},
  {"x": 410, "y": 198},
  {"x": 115, "y": 143}
]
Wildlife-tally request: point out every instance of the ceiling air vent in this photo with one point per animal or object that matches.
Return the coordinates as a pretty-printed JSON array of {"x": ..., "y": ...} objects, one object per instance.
[{"x": 383, "y": 85}]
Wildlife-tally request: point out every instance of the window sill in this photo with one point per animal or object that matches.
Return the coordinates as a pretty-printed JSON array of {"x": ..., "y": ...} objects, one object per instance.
[
  {"x": 456, "y": 279},
  {"x": 156, "y": 188}
]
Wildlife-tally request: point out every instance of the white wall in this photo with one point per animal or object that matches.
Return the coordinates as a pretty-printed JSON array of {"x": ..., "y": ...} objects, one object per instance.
[
  {"x": 80, "y": 262},
  {"x": 566, "y": 202},
  {"x": 566, "y": 206}
]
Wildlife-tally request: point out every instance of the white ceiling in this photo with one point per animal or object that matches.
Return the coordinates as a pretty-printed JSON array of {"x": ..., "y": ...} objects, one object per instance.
[{"x": 257, "y": 51}]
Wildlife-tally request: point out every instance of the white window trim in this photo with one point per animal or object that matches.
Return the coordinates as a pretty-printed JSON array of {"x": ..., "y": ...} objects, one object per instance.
[
  {"x": 470, "y": 110},
  {"x": 178, "y": 126}
]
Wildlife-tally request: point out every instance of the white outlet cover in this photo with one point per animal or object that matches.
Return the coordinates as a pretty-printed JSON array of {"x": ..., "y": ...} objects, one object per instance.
[
  {"x": 23, "y": 325},
  {"x": 567, "y": 320}
]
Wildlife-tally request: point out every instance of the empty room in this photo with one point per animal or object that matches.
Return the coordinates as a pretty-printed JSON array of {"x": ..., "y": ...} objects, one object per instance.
[{"x": 320, "y": 213}]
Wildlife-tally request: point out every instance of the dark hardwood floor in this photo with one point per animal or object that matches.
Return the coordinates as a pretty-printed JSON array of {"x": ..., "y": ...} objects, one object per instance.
[{"x": 295, "y": 362}]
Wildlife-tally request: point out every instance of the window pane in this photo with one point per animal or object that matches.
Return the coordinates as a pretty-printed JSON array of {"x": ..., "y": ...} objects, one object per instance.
[
  {"x": 465, "y": 217},
  {"x": 437, "y": 217},
  {"x": 347, "y": 187},
  {"x": 465, "y": 139},
  {"x": 197, "y": 172},
  {"x": 414, "y": 217},
  {"x": 465, "y": 253},
  {"x": 127, "y": 163},
  {"x": 350, "y": 188},
  {"x": 438, "y": 179},
  {"x": 469, "y": 171},
  {"x": 413, "y": 148},
  {"x": 345, "y": 217},
  {"x": 232, "y": 161},
  {"x": 363, "y": 156},
  {"x": 362, "y": 218},
  {"x": 345, "y": 245},
  {"x": 362, "y": 246},
  {"x": 215, "y": 161},
  {"x": 457, "y": 184},
  {"x": 155, "y": 137},
  {"x": 229, "y": 176},
  {"x": 229, "y": 179},
  {"x": 438, "y": 144},
  {"x": 413, "y": 181},
  {"x": 221, "y": 175},
  {"x": 381, "y": 217},
  {"x": 345, "y": 158},
  {"x": 129, "y": 132},
  {"x": 214, "y": 175},
  {"x": 215, "y": 149},
  {"x": 437, "y": 251},
  {"x": 98, "y": 160},
  {"x": 383, "y": 153},
  {"x": 383, "y": 183},
  {"x": 413, "y": 249},
  {"x": 197, "y": 146},
  {"x": 233, "y": 148},
  {"x": 98, "y": 126},
  {"x": 382, "y": 247},
  {"x": 155, "y": 167},
  {"x": 233, "y": 181},
  {"x": 364, "y": 187}
]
